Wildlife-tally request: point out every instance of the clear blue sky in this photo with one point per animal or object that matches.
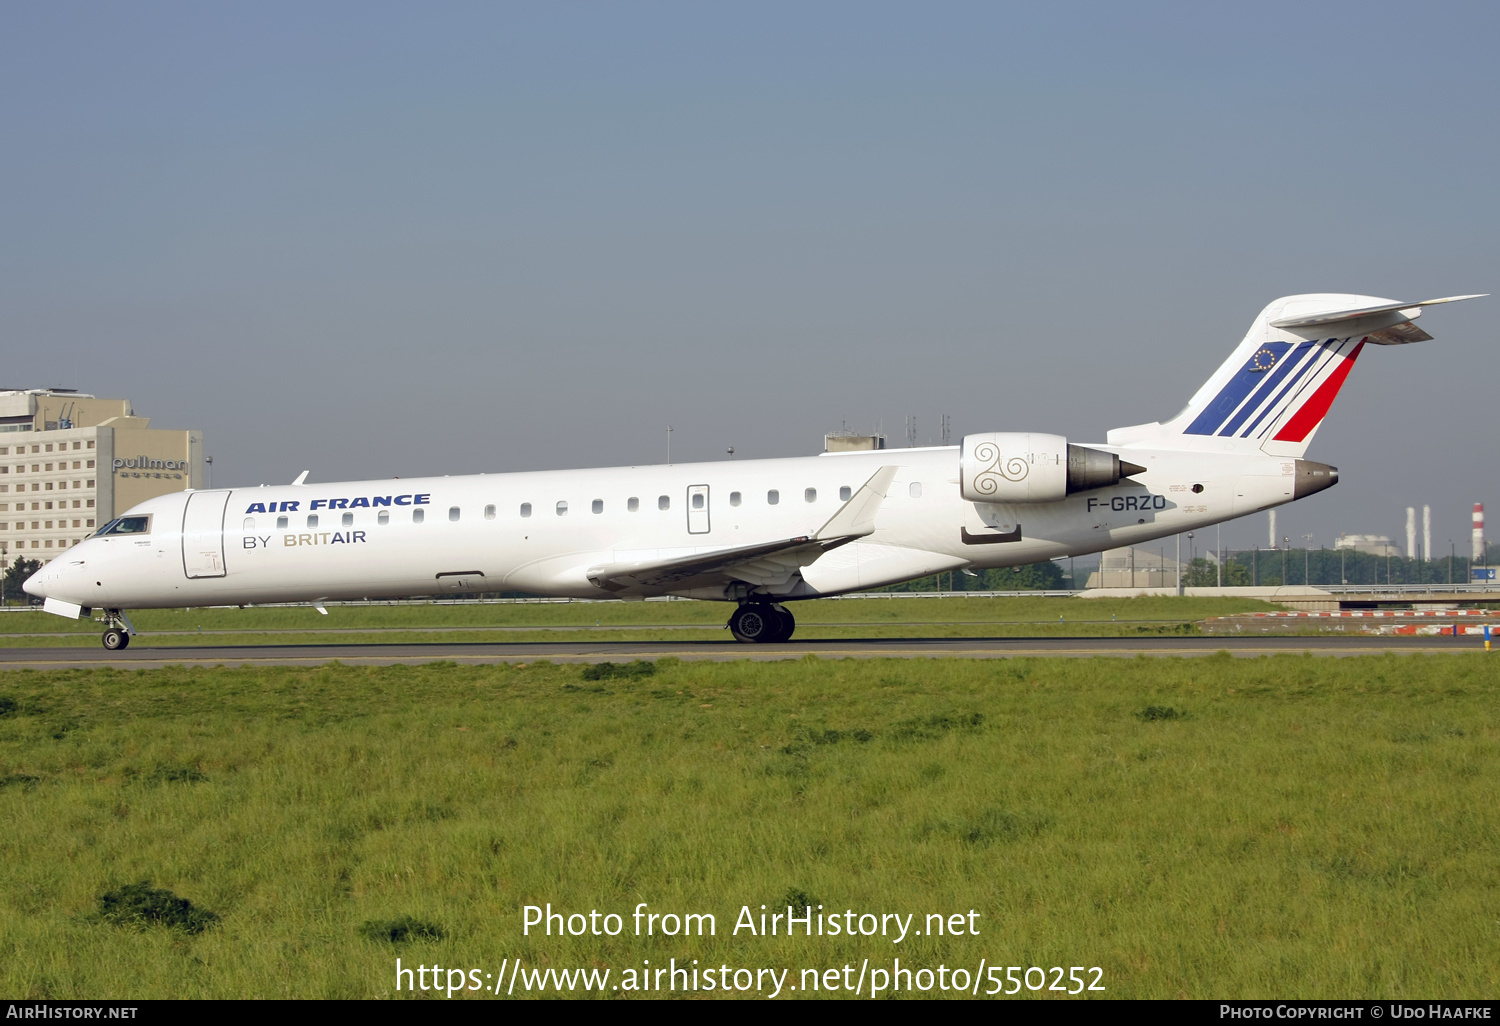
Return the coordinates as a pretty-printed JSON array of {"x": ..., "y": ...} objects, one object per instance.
[{"x": 374, "y": 239}]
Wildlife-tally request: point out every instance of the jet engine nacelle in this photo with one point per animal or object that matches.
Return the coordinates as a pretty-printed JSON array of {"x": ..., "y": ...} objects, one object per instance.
[{"x": 1025, "y": 466}]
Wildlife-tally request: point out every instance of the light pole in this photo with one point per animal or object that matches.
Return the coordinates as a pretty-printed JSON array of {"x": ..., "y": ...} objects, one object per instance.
[
  {"x": 1192, "y": 552},
  {"x": 1219, "y": 554},
  {"x": 1286, "y": 542},
  {"x": 1308, "y": 538},
  {"x": 1450, "y": 560}
]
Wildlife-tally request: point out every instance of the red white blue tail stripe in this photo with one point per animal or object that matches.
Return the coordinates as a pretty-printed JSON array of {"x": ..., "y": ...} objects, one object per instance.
[{"x": 1285, "y": 388}]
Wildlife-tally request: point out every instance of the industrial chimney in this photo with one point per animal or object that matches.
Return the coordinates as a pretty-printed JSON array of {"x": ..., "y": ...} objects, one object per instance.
[
  {"x": 1478, "y": 553},
  {"x": 1427, "y": 533},
  {"x": 1411, "y": 532}
]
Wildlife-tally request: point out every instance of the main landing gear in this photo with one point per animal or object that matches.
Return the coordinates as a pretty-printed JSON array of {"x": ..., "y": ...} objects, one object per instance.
[
  {"x": 756, "y": 622},
  {"x": 117, "y": 630}
]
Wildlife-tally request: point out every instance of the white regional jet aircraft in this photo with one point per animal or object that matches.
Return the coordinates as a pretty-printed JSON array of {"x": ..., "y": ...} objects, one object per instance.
[{"x": 756, "y": 533}]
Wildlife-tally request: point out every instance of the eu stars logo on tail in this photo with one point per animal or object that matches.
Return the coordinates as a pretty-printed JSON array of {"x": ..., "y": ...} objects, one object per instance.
[{"x": 1264, "y": 359}]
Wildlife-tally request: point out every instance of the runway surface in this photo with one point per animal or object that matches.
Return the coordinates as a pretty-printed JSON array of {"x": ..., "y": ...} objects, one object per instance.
[{"x": 141, "y": 655}]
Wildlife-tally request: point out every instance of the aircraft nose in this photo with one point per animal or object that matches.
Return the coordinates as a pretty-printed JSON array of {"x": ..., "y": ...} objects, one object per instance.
[{"x": 33, "y": 585}]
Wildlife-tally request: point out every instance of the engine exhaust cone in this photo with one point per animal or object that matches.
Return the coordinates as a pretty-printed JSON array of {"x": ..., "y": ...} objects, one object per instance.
[
  {"x": 1130, "y": 469},
  {"x": 1313, "y": 478}
]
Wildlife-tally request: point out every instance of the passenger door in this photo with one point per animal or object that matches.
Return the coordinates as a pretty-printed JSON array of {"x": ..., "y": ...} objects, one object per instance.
[{"x": 203, "y": 534}]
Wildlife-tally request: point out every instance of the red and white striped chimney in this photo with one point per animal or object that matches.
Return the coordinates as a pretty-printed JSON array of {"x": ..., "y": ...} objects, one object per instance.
[{"x": 1478, "y": 553}]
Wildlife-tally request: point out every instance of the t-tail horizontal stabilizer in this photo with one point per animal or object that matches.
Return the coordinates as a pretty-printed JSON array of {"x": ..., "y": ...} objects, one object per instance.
[{"x": 1409, "y": 311}]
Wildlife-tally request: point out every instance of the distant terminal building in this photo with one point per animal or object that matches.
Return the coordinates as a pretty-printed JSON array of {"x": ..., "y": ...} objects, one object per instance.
[
  {"x": 1134, "y": 568},
  {"x": 1370, "y": 544},
  {"x": 842, "y": 441},
  {"x": 70, "y": 461}
]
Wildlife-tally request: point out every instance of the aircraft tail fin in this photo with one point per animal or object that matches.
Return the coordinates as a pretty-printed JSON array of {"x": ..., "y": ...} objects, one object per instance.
[{"x": 1277, "y": 386}]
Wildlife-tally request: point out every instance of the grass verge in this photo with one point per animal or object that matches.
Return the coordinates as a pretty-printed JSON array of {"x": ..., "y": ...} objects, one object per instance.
[{"x": 1282, "y": 826}]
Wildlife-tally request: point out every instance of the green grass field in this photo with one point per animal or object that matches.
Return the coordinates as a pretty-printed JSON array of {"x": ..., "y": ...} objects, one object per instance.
[
  {"x": 635, "y": 621},
  {"x": 1283, "y": 826}
]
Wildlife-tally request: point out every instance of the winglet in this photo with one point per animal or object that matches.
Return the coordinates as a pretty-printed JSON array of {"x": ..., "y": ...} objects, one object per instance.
[
  {"x": 856, "y": 517},
  {"x": 302, "y": 477}
]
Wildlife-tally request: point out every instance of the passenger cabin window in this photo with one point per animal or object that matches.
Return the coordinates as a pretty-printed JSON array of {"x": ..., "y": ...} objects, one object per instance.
[
  {"x": 773, "y": 497},
  {"x": 383, "y": 517},
  {"x": 844, "y": 493},
  {"x": 312, "y": 521},
  {"x": 562, "y": 508},
  {"x": 697, "y": 500},
  {"x": 525, "y": 509},
  {"x": 915, "y": 490},
  {"x": 734, "y": 498},
  {"x": 664, "y": 502},
  {"x": 632, "y": 504},
  {"x": 489, "y": 512},
  {"x": 348, "y": 519},
  {"x": 811, "y": 495},
  {"x": 281, "y": 523},
  {"x": 418, "y": 515},
  {"x": 249, "y": 523},
  {"x": 598, "y": 506},
  {"x": 453, "y": 513}
]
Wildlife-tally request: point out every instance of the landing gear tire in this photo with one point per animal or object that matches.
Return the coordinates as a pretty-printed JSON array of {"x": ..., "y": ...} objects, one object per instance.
[
  {"x": 116, "y": 639},
  {"x": 786, "y": 624},
  {"x": 760, "y": 623},
  {"x": 754, "y": 623}
]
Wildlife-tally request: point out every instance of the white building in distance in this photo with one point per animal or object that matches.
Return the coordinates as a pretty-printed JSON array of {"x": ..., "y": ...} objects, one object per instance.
[
  {"x": 1371, "y": 544},
  {"x": 70, "y": 461}
]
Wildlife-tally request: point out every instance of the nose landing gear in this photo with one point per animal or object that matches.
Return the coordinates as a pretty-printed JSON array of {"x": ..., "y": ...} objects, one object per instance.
[
  {"x": 117, "y": 630},
  {"x": 762, "y": 622}
]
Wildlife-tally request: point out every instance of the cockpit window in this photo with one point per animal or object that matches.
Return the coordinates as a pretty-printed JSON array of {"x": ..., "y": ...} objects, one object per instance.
[{"x": 127, "y": 525}]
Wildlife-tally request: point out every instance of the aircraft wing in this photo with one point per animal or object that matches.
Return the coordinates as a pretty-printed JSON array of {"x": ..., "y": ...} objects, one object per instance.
[{"x": 766, "y": 564}]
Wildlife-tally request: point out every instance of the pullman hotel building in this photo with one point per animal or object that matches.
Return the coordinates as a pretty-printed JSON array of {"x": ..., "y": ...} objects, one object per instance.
[{"x": 70, "y": 462}]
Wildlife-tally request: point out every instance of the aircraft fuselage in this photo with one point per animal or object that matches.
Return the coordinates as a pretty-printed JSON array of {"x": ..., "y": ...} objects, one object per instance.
[{"x": 543, "y": 532}]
